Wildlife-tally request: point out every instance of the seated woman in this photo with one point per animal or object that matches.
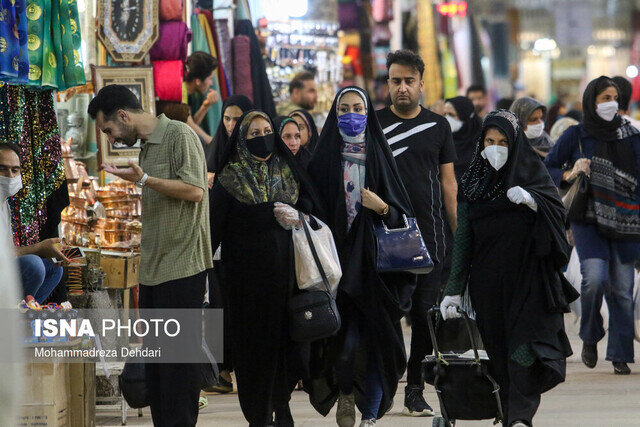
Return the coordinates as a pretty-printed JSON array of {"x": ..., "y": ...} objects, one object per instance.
[
  {"x": 39, "y": 275},
  {"x": 510, "y": 247},
  {"x": 254, "y": 205}
]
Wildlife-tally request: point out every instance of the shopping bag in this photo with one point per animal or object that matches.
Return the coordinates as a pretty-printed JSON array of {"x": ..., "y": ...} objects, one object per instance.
[{"x": 307, "y": 273}]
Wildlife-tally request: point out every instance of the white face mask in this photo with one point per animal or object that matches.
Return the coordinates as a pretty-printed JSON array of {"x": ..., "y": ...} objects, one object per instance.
[
  {"x": 9, "y": 187},
  {"x": 534, "y": 131},
  {"x": 455, "y": 124},
  {"x": 497, "y": 155},
  {"x": 607, "y": 110}
]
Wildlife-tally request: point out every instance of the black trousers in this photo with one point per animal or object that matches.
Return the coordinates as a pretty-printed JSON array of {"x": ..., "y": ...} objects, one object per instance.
[
  {"x": 174, "y": 388},
  {"x": 424, "y": 297},
  {"x": 218, "y": 299}
]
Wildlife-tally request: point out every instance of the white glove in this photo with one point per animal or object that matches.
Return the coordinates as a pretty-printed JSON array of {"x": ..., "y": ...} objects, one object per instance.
[
  {"x": 449, "y": 307},
  {"x": 520, "y": 196},
  {"x": 286, "y": 216}
]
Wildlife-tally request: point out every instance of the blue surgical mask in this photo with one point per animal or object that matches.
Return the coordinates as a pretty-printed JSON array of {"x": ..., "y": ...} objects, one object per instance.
[{"x": 352, "y": 124}]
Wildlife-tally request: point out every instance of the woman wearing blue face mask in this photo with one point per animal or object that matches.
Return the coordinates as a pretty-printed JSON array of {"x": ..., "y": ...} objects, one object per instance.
[
  {"x": 606, "y": 148},
  {"x": 358, "y": 182},
  {"x": 509, "y": 249}
]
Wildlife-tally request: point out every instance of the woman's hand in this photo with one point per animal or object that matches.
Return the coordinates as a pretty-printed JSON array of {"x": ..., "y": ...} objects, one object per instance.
[
  {"x": 370, "y": 200},
  {"x": 581, "y": 165},
  {"x": 210, "y": 179},
  {"x": 286, "y": 216}
]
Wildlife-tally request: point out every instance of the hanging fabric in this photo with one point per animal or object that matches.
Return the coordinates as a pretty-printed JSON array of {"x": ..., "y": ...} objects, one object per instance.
[
  {"x": 224, "y": 36},
  {"x": 167, "y": 78},
  {"x": 171, "y": 10},
  {"x": 14, "y": 56},
  {"x": 242, "y": 67},
  {"x": 54, "y": 44},
  {"x": 28, "y": 118},
  {"x": 173, "y": 42}
]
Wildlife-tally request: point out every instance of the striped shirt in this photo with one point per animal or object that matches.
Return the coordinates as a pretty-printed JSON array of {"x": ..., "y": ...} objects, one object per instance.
[{"x": 420, "y": 145}]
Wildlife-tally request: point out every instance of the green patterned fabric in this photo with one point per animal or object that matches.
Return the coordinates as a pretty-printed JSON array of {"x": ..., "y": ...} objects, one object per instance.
[
  {"x": 54, "y": 43},
  {"x": 252, "y": 181},
  {"x": 462, "y": 253},
  {"x": 523, "y": 356}
]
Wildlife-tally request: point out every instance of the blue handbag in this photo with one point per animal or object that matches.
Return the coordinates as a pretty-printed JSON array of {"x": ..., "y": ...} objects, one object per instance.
[{"x": 402, "y": 249}]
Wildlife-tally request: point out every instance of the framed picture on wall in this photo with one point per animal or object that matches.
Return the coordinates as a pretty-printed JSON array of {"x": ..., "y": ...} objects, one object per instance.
[{"x": 140, "y": 81}]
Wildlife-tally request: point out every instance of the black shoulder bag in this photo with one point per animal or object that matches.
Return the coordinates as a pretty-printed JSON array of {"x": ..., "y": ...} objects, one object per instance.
[
  {"x": 313, "y": 315},
  {"x": 576, "y": 198}
]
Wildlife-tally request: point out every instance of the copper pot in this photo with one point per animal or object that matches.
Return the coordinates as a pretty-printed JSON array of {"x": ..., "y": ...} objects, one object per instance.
[{"x": 112, "y": 237}]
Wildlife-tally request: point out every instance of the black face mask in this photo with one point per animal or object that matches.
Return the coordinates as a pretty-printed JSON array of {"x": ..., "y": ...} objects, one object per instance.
[{"x": 261, "y": 146}]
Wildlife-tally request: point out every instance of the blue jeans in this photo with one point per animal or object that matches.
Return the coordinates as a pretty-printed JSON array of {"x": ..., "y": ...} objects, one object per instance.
[
  {"x": 612, "y": 279},
  {"x": 39, "y": 276}
]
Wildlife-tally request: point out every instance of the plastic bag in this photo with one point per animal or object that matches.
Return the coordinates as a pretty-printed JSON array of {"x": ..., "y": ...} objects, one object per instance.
[{"x": 307, "y": 273}]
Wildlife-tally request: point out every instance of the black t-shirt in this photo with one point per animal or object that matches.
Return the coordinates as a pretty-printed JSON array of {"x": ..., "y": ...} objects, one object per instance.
[{"x": 420, "y": 145}]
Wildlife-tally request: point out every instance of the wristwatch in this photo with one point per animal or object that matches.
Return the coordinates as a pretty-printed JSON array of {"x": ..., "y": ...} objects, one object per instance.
[{"x": 142, "y": 181}]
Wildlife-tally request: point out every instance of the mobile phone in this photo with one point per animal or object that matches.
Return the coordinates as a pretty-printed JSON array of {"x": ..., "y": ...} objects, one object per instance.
[{"x": 74, "y": 252}]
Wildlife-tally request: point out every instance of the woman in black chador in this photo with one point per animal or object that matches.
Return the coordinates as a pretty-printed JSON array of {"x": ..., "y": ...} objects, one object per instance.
[
  {"x": 254, "y": 205},
  {"x": 356, "y": 176},
  {"x": 510, "y": 247}
]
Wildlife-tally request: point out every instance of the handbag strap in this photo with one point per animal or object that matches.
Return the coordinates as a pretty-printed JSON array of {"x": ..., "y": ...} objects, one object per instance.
[
  {"x": 580, "y": 145},
  {"x": 305, "y": 227}
]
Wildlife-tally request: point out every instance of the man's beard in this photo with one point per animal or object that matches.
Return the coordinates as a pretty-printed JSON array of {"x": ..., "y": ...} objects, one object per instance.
[
  {"x": 129, "y": 138},
  {"x": 406, "y": 105}
]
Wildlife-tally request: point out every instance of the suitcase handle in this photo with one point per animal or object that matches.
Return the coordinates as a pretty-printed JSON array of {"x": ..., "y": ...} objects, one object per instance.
[{"x": 432, "y": 331}]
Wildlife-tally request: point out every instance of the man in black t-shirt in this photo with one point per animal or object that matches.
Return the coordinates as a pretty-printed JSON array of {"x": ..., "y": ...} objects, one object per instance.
[{"x": 423, "y": 148}]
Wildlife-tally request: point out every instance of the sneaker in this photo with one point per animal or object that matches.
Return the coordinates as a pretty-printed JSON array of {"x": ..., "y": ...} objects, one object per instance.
[
  {"x": 346, "y": 412},
  {"x": 414, "y": 403},
  {"x": 367, "y": 423},
  {"x": 283, "y": 416},
  {"x": 519, "y": 424},
  {"x": 223, "y": 387},
  {"x": 621, "y": 368},
  {"x": 589, "y": 355}
]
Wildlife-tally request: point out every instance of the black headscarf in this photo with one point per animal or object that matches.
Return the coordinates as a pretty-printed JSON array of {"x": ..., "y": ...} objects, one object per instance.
[
  {"x": 214, "y": 150},
  {"x": 311, "y": 126},
  {"x": 465, "y": 138},
  {"x": 608, "y": 134},
  {"x": 382, "y": 175},
  {"x": 524, "y": 169},
  {"x": 365, "y": 297},
  {"x": 595, "y": 125},
  {"x": 472, "y": 124},
  {"x": 303, "y": 157}
]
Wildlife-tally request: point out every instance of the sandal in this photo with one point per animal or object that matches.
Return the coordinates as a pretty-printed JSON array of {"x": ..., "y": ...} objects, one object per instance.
[{"x": 203, "y": 402}]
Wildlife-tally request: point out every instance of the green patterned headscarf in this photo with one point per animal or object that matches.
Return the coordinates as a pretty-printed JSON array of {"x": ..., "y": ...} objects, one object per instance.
[{"x": 253, "y": 181}]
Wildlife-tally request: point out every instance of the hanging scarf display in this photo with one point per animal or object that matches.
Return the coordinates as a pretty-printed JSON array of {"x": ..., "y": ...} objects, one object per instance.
[
  {"x": 167, "y": 80},
  {"x": 173, "y": 42},
  {"x": 54, "y": 43},
  {"x": 14, "y": 56},
  {"x": 28, "y": 118}
]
